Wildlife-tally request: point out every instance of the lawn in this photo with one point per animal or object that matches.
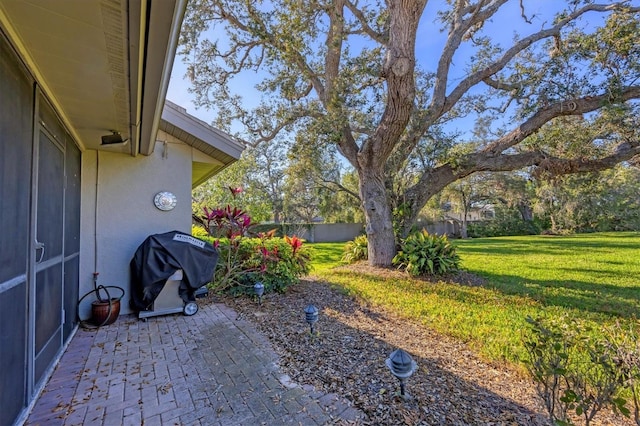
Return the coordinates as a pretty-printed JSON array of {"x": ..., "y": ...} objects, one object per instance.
[{"x": 592, "y": 279}]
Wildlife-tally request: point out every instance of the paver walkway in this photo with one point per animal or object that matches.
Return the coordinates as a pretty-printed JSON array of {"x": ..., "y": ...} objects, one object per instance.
[{"x": 208, "y": 369}]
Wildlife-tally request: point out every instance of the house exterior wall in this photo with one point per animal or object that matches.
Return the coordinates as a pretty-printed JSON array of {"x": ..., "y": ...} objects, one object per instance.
[
  {"x": 472, "y": 216},
  {"x": 55, "y": 223},
  {"x": 126, "y": 214}
]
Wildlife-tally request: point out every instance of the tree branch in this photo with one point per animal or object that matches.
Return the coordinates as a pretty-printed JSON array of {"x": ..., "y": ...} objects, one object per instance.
[
  {"x": 573, "y": 107},
  {"x": 493, "y": 158},
  {"x": 553, "y": 166},
  {"x": 527, "y": 20},
  {"x": 439, "y": 178},
  {"x": 442, "y": 103},
  {"x": 333, "y": 43},
  {"x": 266, "y": 136},
  {"x": 366, "y": 29},
  {"x": 501, "y": 85},
  {"x": 330, "y": 184},
  {"x": 297, "y": 57},
  {"x": 398, "y": 70},
  {"x": 459, "y": 27}
]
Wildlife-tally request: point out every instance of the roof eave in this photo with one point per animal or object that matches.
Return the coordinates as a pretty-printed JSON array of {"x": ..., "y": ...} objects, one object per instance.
[{"x": 161, "y": 41}]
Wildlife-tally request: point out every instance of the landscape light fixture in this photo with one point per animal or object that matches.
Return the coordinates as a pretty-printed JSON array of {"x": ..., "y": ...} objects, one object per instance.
[
  {"x": 402, "y": 366},
  {"x": 258, "y": 288},
  {"x": 115, "y": 138},
  {"x": 311, "y": 315}
]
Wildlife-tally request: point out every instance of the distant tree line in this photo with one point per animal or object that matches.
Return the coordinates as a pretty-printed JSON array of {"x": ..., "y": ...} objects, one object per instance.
[
  {"x": 522, "y": 204},
  {"x": 294, "y": 187}
]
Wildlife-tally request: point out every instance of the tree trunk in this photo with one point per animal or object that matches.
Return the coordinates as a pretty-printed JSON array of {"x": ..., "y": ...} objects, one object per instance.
[
  {"x": 525, "y": 211},
  {"x": 379, "y": 225},
  {"x": 465, "y": 215},
  {"x": 463, "y": 229}
]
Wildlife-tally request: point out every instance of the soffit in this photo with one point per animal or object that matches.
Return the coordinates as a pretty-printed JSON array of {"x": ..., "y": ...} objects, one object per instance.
[
  {"x": 104, "y": 64},
  {"x": 79, "y": 51},
  {"x": 220, "y": 148}
]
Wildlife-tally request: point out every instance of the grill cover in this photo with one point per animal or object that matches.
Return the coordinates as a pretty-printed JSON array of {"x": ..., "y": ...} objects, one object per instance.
[{"x": 160, "y": 256}]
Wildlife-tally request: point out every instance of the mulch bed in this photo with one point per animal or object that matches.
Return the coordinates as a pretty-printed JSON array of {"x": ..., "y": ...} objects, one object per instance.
[{"x": 452, "y": 386}]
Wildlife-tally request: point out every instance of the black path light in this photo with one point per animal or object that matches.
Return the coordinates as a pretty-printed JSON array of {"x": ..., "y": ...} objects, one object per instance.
[
  {"x": 258, "y": 288},
  {"x": 311, "y": 315},
  {"x": 402, "y": 366}
]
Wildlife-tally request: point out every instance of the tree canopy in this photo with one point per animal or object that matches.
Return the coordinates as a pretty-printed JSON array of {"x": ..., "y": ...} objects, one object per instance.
[{"x": 391, "y": 85}]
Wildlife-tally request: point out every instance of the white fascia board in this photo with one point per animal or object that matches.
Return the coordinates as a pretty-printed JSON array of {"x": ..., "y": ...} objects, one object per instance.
[{"x": 162, "y": 42}]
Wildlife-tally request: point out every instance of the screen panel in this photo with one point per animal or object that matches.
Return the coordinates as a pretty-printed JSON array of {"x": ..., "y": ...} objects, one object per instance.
[
  {"x": 71, "y": 285},
  {"x": 12, "y": 352},
  {"x": 50, "y": 197},
  {"x": 16, "y": 135},
  {"x": 16, "y": 152}
]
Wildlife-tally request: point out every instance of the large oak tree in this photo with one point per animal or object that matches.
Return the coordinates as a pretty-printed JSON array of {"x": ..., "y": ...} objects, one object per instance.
[{"x": 348, "y": 73}]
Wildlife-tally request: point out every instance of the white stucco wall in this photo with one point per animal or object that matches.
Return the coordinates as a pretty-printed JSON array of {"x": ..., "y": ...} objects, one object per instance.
[{"x": 126, "y": 213}]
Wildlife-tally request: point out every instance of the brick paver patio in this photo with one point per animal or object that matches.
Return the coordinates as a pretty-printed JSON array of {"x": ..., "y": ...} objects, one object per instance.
[{"x": 208, "y": 369}]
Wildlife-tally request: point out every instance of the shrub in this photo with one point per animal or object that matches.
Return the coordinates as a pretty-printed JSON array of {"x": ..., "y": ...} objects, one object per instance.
[
  {"x": 227, "y": 222},
  {"x": 276, "y": 262},
  {"x": 356, "y": 250},
  {"x": 199, "y": 232},
  {"x": 577, "y": 374},
  {"x": 424, "y": 253},
  {"x": 506, "y": 222},
  {"x": 245, "y": 260},
  {"x": 622, "y": 345},
  {"x": 548, "y": 352}
]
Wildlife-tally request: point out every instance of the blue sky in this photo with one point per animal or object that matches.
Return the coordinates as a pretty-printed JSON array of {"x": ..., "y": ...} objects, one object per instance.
[{"x": 429, "y": 44}]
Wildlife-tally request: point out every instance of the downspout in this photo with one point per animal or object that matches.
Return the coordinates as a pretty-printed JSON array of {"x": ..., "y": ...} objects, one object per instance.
[{"x": 95, "y": 218}]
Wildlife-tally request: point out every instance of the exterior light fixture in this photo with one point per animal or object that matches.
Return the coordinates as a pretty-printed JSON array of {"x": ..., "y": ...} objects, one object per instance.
[
  {"x": 311, "y": 315},
  {"x": 402, "y": 366},
  {"x": 258, "y": 288},
  {"x": 115, "y": 138}
]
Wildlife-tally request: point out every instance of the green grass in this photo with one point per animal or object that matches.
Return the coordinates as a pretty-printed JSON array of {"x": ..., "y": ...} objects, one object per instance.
[
  {"x": 591, "y": 273},
  {"x": 325, "y": 256},
  {"x": 593, "y": 279}
]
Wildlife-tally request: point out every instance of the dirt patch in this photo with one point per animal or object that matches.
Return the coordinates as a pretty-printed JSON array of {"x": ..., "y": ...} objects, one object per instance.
[{"x": 452, "y": 386}]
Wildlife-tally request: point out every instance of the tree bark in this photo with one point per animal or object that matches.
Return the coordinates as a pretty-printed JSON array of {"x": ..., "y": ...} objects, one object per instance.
[
  {"x": 379, "y": 225},
  {"x": 525, "y": 211},
  {"x": 398, "y": 71},
  {"x": 465, "y": 215},
  {"x": 554, "y": 226},
  {"x": 463, "y": 228}
]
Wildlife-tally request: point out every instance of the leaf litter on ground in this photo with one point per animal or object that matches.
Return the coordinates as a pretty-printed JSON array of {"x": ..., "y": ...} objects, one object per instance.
[{"x": 346, "y": 356}]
